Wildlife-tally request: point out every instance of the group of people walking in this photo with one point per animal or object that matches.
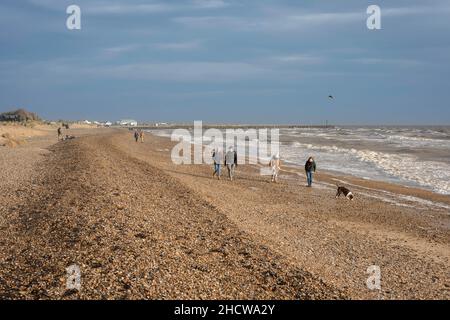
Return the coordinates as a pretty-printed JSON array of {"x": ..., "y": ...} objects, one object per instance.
[
  {"x": 139, "y": 135},
  {"x": 230, "y": 161},
  {"x": 310, "y": 168}
]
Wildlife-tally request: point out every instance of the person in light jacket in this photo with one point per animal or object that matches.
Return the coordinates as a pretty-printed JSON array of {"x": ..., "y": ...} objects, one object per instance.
[
  {"x": 231, "y": 162},
  {"x": 218, "y": 160},
  {"x": 275, "y": 164}
]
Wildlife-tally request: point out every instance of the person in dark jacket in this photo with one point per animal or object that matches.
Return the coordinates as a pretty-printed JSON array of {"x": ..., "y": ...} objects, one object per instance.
[{"x": 310, "y": 168}]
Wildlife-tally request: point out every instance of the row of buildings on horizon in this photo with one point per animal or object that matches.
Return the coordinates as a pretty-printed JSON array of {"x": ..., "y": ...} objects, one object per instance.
[
  {"x": 21, "y": 115},
  {"x": 123, "y": 123}
]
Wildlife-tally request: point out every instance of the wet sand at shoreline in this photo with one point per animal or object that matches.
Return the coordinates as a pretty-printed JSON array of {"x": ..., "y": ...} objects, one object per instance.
[{"x": 141, "y": 227}]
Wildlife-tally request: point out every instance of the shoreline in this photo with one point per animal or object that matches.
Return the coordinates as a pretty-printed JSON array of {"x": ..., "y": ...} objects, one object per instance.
[
  {"x": 420, "y": 192},
  {"x": 369, "y": 170},
  {"x": 403, "y": 195}
]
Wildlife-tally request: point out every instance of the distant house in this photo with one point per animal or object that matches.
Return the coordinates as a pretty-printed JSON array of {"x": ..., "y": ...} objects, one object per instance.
[{"x": 128, "y": 123}]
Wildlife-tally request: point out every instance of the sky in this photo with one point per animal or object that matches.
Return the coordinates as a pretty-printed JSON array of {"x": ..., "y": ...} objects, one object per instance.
[{"x": 228, "y": 61}]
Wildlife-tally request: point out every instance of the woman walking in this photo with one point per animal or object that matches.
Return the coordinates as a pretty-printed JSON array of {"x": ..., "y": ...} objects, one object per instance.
[
  {"x": 310, "y": 168},
  {"x": 275, "y": 164}
]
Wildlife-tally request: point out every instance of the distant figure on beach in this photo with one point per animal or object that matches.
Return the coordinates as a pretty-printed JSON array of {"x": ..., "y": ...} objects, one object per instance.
[
  {"x": 275, "y": 164},
  {"x": 310, "y": 168},
  {"x": 141, "y": 135},
  {"x": 218, "y": 160},
  {"x": 59, "y": 133},
  {"x": 136, "y": 135},
  {"x": 231, "y": 162}
]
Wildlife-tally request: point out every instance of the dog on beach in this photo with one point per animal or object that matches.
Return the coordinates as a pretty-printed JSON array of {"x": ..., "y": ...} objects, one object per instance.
[{"x": 346, "y": 192}]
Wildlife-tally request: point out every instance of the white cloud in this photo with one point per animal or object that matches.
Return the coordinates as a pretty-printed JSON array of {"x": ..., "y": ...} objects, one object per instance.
[
  {"x": 181, "y": 71},
  {"x": 269, "y": 23},
  {"x": 276, "y": 19},
  {"x": 398, "y": 62},
  {"x": 178, "y": 46},
  {"x": 114, "y": 51},
  {"x": 172, "y": 46},
  {"x": 416, "y": 10},
  {"x": 127, "y": 8},
  {"x": 210, "y": 4},
  {"x": 101, "y": 7},
  {"x": 48, "y": 4},
  {"x": 298, "y": 59},
  {"x": 214, "y": 22},
  {"x": 107, "y": 7}
]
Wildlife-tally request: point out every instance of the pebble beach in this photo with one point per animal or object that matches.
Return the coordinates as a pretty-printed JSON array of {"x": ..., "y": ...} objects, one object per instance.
[{"x": 140, "y": 227}]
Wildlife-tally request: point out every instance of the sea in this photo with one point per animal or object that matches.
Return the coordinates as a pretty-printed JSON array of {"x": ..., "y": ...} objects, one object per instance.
[{"x": 414, "y": 156}]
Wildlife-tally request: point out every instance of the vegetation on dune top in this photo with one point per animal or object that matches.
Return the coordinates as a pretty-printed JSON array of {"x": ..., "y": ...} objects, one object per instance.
[{"x": 19, "y": 115}]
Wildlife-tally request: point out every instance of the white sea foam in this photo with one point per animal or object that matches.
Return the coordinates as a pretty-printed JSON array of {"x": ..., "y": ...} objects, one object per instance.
[
  {"x": 397, "y": 199},
  {"x": 432, "y": 175},
  {"x": 416, "y": 156}
]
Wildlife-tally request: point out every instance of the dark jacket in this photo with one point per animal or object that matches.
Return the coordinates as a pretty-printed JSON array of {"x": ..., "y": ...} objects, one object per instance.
[{"x": 310, "y": 166}]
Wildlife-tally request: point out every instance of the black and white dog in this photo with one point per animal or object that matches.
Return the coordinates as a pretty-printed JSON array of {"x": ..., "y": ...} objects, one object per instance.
[{"x": 346, "y": 192}]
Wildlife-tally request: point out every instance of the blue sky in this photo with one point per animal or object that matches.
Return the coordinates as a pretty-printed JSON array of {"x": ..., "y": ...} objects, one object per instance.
[{"x": 254, "y": 61}]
